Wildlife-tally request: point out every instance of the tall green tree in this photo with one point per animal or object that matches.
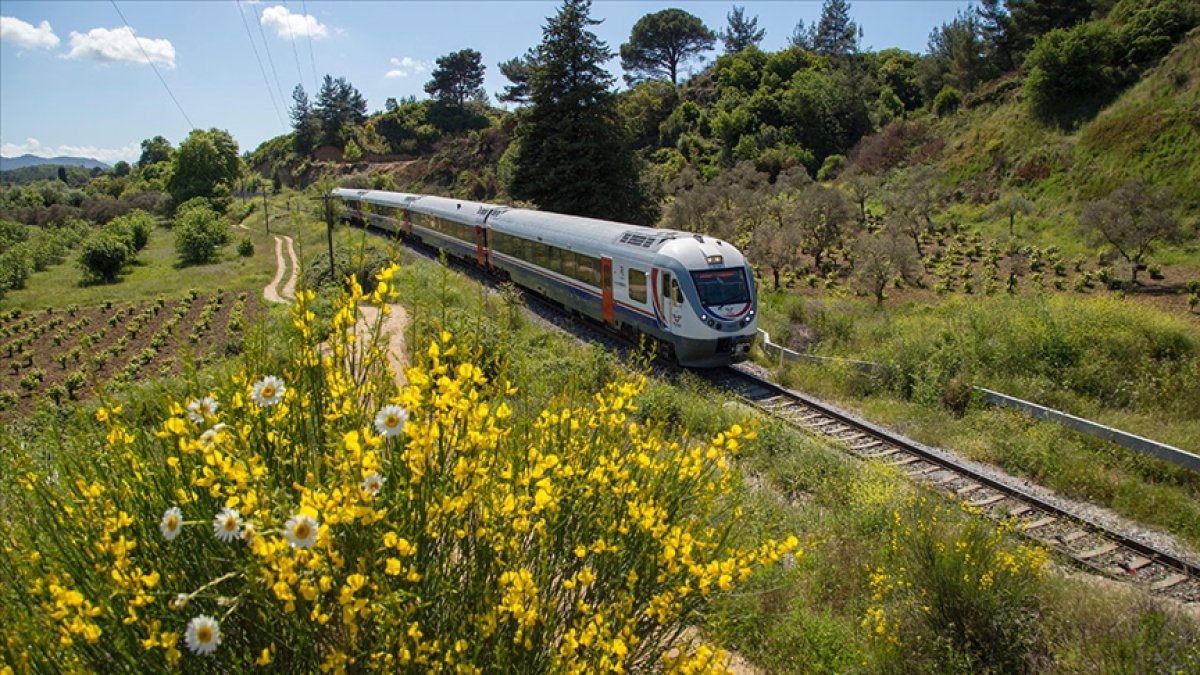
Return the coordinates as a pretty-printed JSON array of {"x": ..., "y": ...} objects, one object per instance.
[
  {"x": 802, "y": 36},
  {"x": 1032, "y": 19},
  {"x": 661, "y": 42},
  {"x": 519, "y": 71},
  {"x": 458, "y": 77},
  {"x": 996, "y": 25},
  {"x": 961, "y": 54},
  {"x": 574, "y": 155},
  {"x": 155, "y": 150},
  {"x": 741, "y": 32},
  {"x": 206, "y": 165},
  {"x": 338, "y": 104},
  {"x": 305, "y": 124},
  {"x": 835, "y": 33}
]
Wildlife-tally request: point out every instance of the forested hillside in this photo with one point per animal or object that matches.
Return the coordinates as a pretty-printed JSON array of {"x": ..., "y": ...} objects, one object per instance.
[{"x": 1019, "y": 115}]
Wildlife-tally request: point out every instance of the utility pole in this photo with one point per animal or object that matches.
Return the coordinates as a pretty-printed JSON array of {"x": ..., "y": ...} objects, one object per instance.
[
  {"x": 329, "y": 235},
  {"x": 266, "y": 216}
]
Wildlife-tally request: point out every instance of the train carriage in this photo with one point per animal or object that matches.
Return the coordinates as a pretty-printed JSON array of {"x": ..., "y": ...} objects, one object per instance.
[{"x": 694, "y": 294}]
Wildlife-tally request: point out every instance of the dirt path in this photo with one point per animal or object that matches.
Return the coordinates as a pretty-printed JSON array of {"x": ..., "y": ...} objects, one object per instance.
[
  {"x": 392, "y": 334},
  {"x": 392, "y": 329},
  {"x": 272, "y": 292}
]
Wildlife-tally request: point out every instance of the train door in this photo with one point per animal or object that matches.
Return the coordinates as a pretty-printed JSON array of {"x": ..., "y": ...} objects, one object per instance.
[
  {"x": 606, "y": 289},
  {"x": 672, "y": 301},
  {"x": 480, "y": 246}
]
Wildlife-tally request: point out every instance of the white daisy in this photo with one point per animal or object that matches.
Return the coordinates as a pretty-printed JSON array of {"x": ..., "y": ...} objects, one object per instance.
[
  {"x": 171, "y": 523},
  {"x": 201, "y": 409},
  {"x": 227, "y": 524},
  {"x": 301, "y": 531},
  {"x": 249, "y": 532},
  {"x": 268, "y": 391},
  {"x": 373, "y": 483},
  {"x": 210, "y": 435},
  {"x": 203, "y": 634},
  {"x": 389, "y": 421}
]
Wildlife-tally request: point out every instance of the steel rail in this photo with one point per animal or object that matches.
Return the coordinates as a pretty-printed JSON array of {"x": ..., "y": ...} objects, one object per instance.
[{"x": 1166, "y": 572}]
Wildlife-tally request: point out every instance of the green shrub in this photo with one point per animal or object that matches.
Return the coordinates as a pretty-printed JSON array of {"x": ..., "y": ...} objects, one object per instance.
[
  {"x": 199, "y": 233},
  {"x": 245, "y": 247},
  {"x": 1071, "y": 72},
  {"x": 831, "y": 167},
  {"x": 957, "y": 588},
  {"x": 947, "y": 101},
  {"x": 134, "y": 228},
  {"x": 103, "y": 256}
]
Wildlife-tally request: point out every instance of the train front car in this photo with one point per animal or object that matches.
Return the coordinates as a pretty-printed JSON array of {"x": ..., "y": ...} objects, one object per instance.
[{"x": 711, "y": 306}]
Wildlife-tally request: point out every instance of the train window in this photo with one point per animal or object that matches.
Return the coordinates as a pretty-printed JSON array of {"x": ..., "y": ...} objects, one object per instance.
[
  {"x": 722, "y": 287},
  {"x": 666, "y": 284},
  {"x": 676, "y": 292},
  {"x": 637, "y": 285},
  {"x": 569, "y": 267},
  {"x": 589, "y": 270}
]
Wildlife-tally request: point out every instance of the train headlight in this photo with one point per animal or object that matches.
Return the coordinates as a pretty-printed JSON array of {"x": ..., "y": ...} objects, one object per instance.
[{"x": 703, "y": 318}]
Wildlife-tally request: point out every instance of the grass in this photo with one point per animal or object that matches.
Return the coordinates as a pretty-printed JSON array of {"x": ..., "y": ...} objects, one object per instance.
[
  {"x": 155, "y": 273},
  {"x": 819, "y": 614}
]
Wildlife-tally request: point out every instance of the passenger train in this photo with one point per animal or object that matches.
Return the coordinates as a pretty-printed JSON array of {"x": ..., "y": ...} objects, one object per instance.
[{"x": 694, "y": 294}]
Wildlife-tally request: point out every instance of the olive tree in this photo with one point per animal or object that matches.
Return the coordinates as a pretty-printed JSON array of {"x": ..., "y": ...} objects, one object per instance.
[{"x": 1134, "y": 219}]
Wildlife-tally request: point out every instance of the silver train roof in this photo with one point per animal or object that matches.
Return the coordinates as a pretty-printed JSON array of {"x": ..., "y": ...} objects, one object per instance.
[{"x": 572, "y": 232}]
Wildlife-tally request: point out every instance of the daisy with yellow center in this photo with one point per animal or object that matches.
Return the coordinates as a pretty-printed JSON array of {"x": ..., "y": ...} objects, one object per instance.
[
  {"x": 268, "y": 391},
  {"x": 301, "y": 531},
  {"x": 210, "y": 435},
  {"x": 373, "y": 483},
  {"x": 203, "y": 635},
  {"x": 171, "y": 523},
  {"x": 227, "y": 524},
  {"x": 201, "y": 409},
  {"x": 389, "y": 421}
]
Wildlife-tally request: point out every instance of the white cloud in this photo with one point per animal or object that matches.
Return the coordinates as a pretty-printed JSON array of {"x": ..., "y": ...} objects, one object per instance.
[
  {"x": 406, "y": 66},
  {"x": 33, "y": 146},
  {"x": 26, "y": 35},
  {"x": 290, "y": 26},
  {"x": 119, "y": 44}
]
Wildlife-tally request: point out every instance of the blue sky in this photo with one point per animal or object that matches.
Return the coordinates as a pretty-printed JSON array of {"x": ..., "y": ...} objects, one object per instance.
[{"x": 74, "y": 80}]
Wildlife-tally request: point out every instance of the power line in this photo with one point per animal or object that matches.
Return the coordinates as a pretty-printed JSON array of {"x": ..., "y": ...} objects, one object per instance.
[
  {"x": 148, "y": 60},
  {"x": 270, "y": 60},
  {"x": 261, "y": 69},
  {"x": 311, "y": 58},
  {"x": 295, "y": 52}
]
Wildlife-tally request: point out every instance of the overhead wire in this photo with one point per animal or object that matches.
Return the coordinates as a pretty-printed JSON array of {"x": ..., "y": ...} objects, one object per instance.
[
  {"x": 295, "y": 51},
  {"x": 151, "y": 62},
  {"x": 261, "y": 68},
  {"x": 270, "y": 60},
  {"x": 311, "y": 57}
]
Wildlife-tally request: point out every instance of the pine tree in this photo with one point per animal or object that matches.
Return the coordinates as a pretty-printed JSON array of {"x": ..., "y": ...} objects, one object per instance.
[
  {"x": 661, "y": 42},
  {"x": 574, "y": 156},
  {"x": 741, "y": 32},
  {"x": 458, "y": 77},
  {"x": 338, "y": 104},
  {"x": 304, "y": 121},
  {"x": 835, "y": 34}
]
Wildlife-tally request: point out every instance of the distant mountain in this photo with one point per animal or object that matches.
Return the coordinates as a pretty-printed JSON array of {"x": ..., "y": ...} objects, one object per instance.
[{"x": 9, "y": 163}]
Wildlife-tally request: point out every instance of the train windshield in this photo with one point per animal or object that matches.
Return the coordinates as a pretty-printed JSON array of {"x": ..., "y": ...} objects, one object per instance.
[{"x": 722, "y": 287}]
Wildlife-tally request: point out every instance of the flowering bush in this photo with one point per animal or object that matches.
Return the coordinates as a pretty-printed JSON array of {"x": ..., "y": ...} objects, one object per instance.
[
  {"x": 306, "y": 514},
  {"x": 959, "y": 583}
]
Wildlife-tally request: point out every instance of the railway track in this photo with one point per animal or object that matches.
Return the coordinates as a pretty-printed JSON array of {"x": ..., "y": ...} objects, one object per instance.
[{"x": 1090, "y": 544}]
